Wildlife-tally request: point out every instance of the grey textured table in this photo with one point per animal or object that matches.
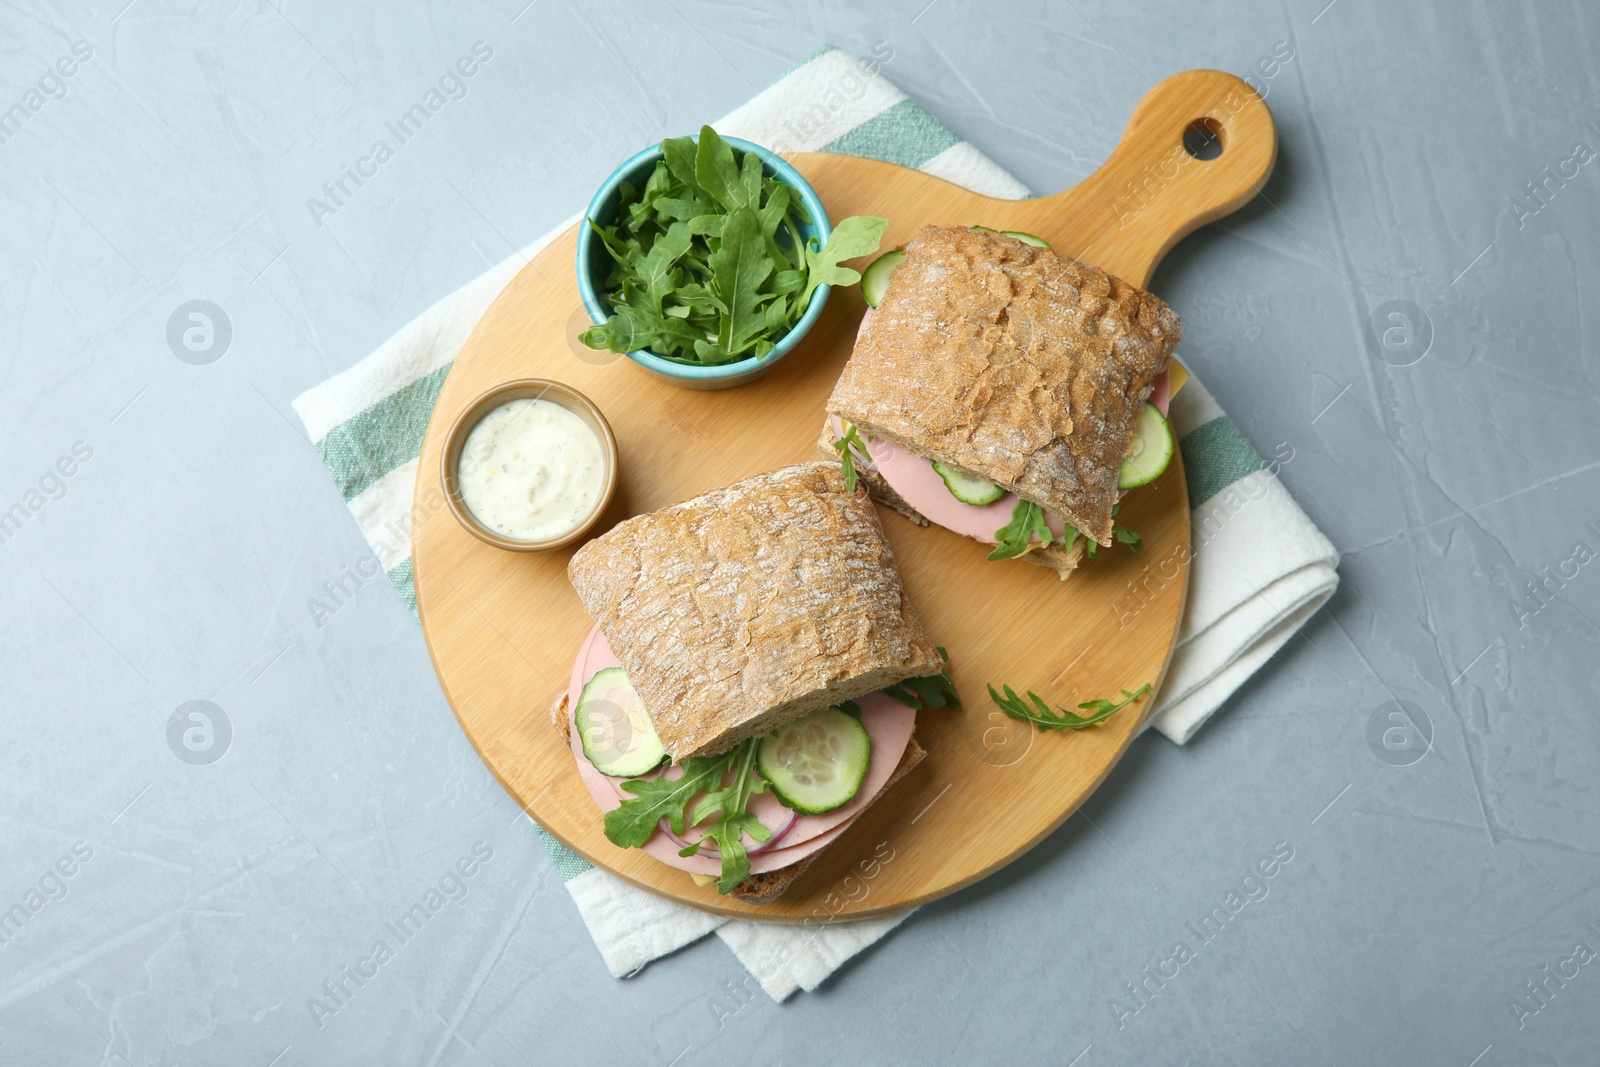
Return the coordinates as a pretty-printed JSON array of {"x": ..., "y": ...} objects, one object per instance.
[{"x": 181, "y": 913}]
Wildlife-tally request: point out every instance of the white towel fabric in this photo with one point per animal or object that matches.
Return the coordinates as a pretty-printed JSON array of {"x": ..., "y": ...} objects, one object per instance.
[{"x": 1259, "y": 568}]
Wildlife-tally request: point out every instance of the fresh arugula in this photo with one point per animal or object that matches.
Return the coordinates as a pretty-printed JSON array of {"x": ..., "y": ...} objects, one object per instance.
[
  {"x": 1061, "y": 719},
  {"x": 632, "y": 822},
  {"x": 1016, "y": 536},
  {"x": 730, "y": 805},
  {"x": 708, "y": 262},
  {"x": 1121, "y": 533},
  {"x": 849, "y": 446},
  {"x": 1027, "y": 519},
  {"x": 929, "y": 691},
  {"x": 858, "y": 235}
]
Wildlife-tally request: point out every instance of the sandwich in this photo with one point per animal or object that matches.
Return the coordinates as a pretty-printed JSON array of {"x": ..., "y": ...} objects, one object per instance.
[
  {"x": 752, "y": 680},
  {"x": 1005, "y": 392}
]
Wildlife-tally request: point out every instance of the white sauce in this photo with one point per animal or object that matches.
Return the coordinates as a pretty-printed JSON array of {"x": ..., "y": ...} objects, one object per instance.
[{"x": 530, "y": 470}]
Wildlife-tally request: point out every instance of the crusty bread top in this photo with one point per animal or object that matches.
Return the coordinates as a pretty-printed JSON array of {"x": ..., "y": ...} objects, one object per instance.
[
  {"x": 752, "y": 605},
  {"x": 1013, "y": 363}
]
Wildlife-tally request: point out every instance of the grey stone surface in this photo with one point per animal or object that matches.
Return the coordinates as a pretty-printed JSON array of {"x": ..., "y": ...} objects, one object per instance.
[{"x": 175, "y": 563}]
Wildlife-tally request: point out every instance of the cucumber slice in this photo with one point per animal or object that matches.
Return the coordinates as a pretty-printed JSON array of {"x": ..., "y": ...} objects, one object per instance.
[
  {"x": 985, "y": 229},
  {"x": 875, "y": 279},
  {"x": 1027, "y": 238},
  {"x": 612, "y": 725},
  {"x": 817, "y": 763},
  {"x": 1151, "y": 451},
  {"x": 968, "y": 488}
]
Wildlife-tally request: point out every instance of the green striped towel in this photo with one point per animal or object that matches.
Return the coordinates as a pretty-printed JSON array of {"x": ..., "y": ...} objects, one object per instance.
[{"x": 1259, "y": 567}]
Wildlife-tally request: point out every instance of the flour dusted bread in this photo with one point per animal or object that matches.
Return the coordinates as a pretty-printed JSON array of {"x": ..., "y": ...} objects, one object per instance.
[
  {"x": 1012, "y": 363},
  {"x": 752, "y": 605}
]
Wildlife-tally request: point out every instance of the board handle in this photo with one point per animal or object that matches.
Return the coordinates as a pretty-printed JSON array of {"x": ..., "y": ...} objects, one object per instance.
[{"x": 1199, "y": 146}]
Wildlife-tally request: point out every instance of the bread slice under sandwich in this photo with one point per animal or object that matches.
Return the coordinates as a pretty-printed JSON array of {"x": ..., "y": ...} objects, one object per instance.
[
  {"x": 1061, "y": 559},
  {"x": 768, "y": 886},
  {"x": 1011, "y": 363},
  {"x": 752, "y": 605}
]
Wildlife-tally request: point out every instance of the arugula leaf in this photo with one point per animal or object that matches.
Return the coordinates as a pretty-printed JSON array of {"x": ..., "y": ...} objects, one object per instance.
[
  {"x": 1061, "y": 719},
  {"x": 659, "y": 184},
  {"x": 773, "y": 211},
  {"x": 683, "y": 209},
  {"x": 656, "y": 268},
  {"x": 631, "y": 824},
  {"x": 738, "y": 267},
  {"x": 730, "y": 804},
  {"x": 787, "y": 281},
  {"x": 751, "y": 177},
  {"x": 858, "y": 235},
  {"x": 626, "y": 330},
  {"x": 1120, "y": 532},
  {"x": 849, "y": 445},
  {"x": 719, "y": 174},
  {"x": 614, "y": 244},
  {"x": 929, "y": 691},
  {"x": 1016, "y": 536},
  {"x": 708, "y": 225},
  {"x": 933, "y": 690},
  {"x": 679, "y": 154}
]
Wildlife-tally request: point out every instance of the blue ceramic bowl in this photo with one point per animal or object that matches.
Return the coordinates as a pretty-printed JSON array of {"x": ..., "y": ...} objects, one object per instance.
[{"x": 594, "y": 263}]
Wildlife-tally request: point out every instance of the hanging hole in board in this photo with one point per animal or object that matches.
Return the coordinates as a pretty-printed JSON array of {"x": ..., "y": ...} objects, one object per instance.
[{"x": 1202, "y": 139}]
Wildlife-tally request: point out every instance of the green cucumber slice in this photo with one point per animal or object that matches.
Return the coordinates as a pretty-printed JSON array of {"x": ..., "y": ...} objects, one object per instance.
[
  {"x": 1151, "y": 450},
  {"x": 985, "y": 229},
  {"x": 612, "y": 725},
  {"x": 1027, "y": 238},
  {"x": 968, "y": 488},
  {"x": 817, "y": 763},
  {"x": 875, "y": 279}
]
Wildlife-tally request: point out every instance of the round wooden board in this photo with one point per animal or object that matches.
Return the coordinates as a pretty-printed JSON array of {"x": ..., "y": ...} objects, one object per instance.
[{"x": 504, "y": 628}]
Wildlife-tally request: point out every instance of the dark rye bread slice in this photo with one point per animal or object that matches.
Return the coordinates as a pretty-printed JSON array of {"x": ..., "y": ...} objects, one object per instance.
[
  {"x": 768, "y": 886},
  {"x": 1012, "y": 363},
  {"x": 1061, "y": 560},
  {"x": 752, "y": 605}
]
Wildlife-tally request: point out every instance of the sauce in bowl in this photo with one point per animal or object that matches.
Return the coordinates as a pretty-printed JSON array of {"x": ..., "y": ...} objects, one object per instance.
[{"x": 531, "y": 470}]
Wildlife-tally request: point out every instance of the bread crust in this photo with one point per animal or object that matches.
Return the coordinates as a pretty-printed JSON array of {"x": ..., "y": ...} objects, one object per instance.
[
  {"x": 752, "y": 605},
  {"x": 1064, "y": 561},
  {"x": 1013, "y": 363},
  {"x": 766, "y": 887}
]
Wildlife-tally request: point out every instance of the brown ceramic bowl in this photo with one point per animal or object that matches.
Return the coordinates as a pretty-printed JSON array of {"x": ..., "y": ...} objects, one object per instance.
[{"x": 535, "y": 389}]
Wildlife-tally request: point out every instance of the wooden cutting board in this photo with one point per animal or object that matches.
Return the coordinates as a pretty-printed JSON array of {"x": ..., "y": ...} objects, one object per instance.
[{"x": 504, "y": 628}]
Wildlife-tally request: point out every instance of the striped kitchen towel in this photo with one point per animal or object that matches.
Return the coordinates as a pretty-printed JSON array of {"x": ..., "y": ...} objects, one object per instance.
[{"x": 1258, "y": 567}]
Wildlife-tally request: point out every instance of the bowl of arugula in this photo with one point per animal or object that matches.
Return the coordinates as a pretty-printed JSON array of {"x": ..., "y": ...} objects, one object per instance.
[{"x": 705, "y": 260}]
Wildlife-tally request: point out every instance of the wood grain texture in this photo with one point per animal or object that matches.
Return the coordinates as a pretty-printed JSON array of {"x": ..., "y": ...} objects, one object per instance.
[{"x": 503, "y": 628}]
